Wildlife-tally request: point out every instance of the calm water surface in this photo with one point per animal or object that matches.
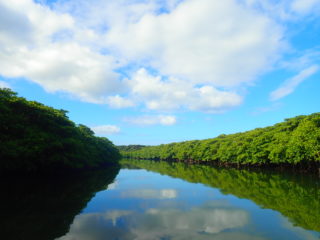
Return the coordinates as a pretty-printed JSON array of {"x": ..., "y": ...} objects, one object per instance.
[
  {"x": 199, "y": 203},
  {"x": 175, "y": 201}
]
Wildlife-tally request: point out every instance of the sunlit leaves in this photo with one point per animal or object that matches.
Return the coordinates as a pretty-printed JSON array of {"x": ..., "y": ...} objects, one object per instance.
[{"x": 296, "y": 140}]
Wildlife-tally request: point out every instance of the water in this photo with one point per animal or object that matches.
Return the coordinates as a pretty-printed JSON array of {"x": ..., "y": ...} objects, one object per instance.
[{"x": 152, "y": 200}]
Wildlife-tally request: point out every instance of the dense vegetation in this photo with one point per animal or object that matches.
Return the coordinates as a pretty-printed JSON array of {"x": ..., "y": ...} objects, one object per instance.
[
  {"x": 43, "y": 207},
  {"x": 294, "y": 141},
  {"x": 296, "y": 196},
  {"x": 34, "y": 136},
  {"x": 130, "y": 147}
]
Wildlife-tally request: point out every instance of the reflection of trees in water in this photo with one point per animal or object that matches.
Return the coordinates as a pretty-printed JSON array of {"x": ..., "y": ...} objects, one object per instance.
[
  {"x": 296, "y": 196},
  {"x": 44, "y": 207}
]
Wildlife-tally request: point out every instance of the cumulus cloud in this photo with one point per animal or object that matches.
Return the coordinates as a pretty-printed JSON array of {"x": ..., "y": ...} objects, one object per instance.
[
  {"x": 145, "y": 120},
  {"x": 64, "y": 67},
  {"x": 30, "y": 49},
  {"x": 119, "y": 102},
  {"x": 291, "y": 84},
  {"x": 161, "y": 55},
  {"x": 158, "y": 93},
  {"x": 106, "y": 129},
  {"x": 184, "y": 43}
]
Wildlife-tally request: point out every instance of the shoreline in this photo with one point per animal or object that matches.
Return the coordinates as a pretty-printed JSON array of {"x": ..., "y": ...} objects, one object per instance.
[{"x": 305, "y": 167}]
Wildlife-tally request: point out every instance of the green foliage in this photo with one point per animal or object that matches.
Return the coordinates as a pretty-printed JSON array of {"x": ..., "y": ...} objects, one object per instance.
[
  {"x": 295, "y": 196},
  {"x": 34, "y": 136},
  {"x": 296, "y": 140},
  {"x": 130, "y": 147}
]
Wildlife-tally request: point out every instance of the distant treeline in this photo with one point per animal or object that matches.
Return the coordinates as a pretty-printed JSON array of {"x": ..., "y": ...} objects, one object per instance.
[
  {"x": 34, "y": 136},
  {"x": 296, "y": 196},
  {"x": 294, "y": 141},
  {"x": 130, "y": 147}
]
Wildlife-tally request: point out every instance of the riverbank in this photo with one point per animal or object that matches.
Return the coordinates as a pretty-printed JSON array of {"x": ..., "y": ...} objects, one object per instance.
[
  {"x": 35, "y": 137},
  {"x": 293, "y": 143},
  {"x": 310, "y": 168}
]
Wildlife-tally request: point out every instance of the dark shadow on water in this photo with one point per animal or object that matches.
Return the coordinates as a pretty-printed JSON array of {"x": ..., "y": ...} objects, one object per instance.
[{"x": 43, "y": 207}]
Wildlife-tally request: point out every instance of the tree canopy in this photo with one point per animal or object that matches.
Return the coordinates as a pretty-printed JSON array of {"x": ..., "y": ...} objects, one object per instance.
[
  {"x": 294, "y": 141},
  {"x": 34, "y": 136}
]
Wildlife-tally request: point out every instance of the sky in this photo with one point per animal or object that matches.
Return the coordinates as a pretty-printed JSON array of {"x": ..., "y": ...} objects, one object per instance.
[{"x": 159, "y": 71}]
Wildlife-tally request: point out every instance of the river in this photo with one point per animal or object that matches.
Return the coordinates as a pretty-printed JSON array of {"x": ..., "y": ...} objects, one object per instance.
[{"x": 148, "y": 200}]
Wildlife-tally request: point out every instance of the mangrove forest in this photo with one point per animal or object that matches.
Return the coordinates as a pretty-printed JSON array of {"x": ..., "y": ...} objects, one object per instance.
[
  {"x": 294, "y": 142},
  {"x": 37, "y": 137}
]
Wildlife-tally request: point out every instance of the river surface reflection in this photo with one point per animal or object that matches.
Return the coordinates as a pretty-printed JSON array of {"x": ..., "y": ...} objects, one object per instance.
[{"x": 175, "y": 201}]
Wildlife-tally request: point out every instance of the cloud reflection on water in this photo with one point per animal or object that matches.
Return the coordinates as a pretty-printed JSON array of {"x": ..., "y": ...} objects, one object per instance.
[
  {"x": 150, "y": 193},
  {"x": 201, "y": 222}
]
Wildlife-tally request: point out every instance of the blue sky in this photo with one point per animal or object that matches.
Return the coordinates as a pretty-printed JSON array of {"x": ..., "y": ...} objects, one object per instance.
[{"x": 152, "y": 72}]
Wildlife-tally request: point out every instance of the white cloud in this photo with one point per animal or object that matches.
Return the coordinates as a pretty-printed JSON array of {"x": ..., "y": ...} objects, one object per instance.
[
  {"x": 166, "y": 120},
  {"x": 291, "y": 84},
  {"x": 304, "y": 6},
  {"x": 285, "y": 10},
  {"x": 303, "y": 60},
  {"x": 64, "y": 67},
  {"x": 162, "y": 94},
  {"x": 30, "y": 24},
  {"x": 186, "y": 44},
  {"x": 119, "y": 102},
  {"x": 30, "y": 48},
  {"x": 106, "y": 129},
  {"x": 213, "y": 100},
  {"x": 4, "y": 84},
  {"x": 196, "y": 55}
]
